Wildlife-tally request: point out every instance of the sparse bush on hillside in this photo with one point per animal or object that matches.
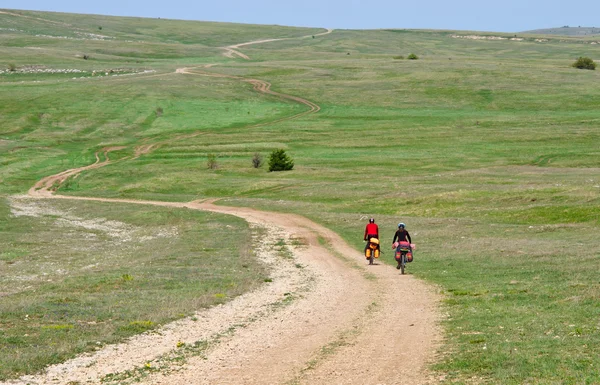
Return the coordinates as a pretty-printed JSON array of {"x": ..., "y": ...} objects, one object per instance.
[
  {"x": 71, "y": 184},
  {"x": 100, "y": 28},
  {"x": 585, "y": 63},
  {"x": 12, "y": 67},
  {"x": 257, "y": 160},
  {"x": 159, "y": 111},
  {"x": 399, "y": 57},
  {"x": 85, "y": 57},
  {"x": 280, "y": 161},
  {"x": 212, "y": 162},
  {"x": 412, "y": 56}
]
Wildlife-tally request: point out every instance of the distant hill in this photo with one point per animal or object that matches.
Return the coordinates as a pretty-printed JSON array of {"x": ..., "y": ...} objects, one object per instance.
[{"x": 567, "y": 31}]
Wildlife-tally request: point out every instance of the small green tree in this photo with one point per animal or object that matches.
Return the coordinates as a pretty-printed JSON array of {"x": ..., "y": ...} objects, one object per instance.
[
  {"x": 584, "y": 63},
  {"x": 280, "y": 161},
  {"x": 412, "y": 56},
  {"x": 257, "y": 160},
  {"x": 212, "y": 162}
]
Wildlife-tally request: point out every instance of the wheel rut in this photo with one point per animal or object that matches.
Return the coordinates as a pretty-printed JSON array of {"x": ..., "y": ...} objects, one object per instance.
[{"x": 327, "y": 317}]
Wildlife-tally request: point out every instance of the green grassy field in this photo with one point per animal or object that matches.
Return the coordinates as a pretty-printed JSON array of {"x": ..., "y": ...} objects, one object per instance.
[
  {"x": 74, "y": 281},
  {"x": 487, "y": 149}
]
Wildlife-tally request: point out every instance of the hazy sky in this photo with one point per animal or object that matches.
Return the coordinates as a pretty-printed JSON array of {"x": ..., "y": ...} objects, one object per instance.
[{"x": 478, "y": 15}]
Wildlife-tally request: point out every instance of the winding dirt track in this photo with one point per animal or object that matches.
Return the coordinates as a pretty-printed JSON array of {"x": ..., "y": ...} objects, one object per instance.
[
  {"x": 347, "y": 322},
  {"x": 231, "y": 51}
]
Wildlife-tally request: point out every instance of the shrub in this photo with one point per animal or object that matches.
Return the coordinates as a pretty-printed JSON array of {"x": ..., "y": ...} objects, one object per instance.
[
  {"x": 585, "y": 63},
  {"x": 399, "y": 57},
  {"x": 280, "y": 161},
  {"x": 257, "y": 160},
  {"x": 57, "y": 327},
  {"x": 85, "y": 57},
  {"x": 412, "y": 56},
  {"x": 138, "y": 326},
  {"x": 12, "y": 67},
  {"x": 69, "y": 185},
  {"x": 212, "y": 162},
  {"x": 159, "y": 111}
]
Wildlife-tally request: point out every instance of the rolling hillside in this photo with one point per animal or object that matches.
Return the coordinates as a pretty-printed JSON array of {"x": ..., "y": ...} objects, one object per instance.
[
  {"x": 567, "y": 31},
  {"x": 486, "y": 146}
]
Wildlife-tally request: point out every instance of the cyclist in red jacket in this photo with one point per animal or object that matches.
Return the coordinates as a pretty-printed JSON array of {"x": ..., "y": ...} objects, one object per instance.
[{"x": 371, "y": 231}]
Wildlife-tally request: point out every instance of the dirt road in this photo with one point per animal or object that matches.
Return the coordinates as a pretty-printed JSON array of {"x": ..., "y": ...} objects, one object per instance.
[
  {"x": 326, "y": 318},
  {"x": 231, "y": 51}
]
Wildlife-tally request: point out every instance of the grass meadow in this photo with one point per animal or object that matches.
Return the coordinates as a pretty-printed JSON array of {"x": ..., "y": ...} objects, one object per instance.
[
  {"x": 74, "y": 280},
  {"x": 486, "y": 148}
]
